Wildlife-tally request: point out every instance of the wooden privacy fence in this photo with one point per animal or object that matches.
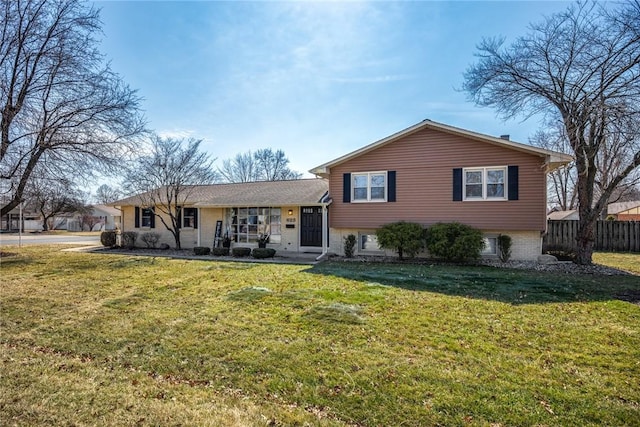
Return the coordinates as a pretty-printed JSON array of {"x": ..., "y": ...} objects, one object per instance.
[{"x": 615, "y": 236}]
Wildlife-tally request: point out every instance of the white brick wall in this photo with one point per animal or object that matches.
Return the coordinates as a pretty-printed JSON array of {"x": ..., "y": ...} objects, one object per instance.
[{"x": 525, "y": 246}]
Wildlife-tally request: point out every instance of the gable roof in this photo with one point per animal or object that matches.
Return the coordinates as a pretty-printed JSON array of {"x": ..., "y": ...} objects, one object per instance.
[
  {"x": 553, "y": 159},
  {"x": 263, "y": 193},
  {"x": 564, "y": 215},
  {"x": 616, "y": 208},
  {"x": 105, "y": 209}
]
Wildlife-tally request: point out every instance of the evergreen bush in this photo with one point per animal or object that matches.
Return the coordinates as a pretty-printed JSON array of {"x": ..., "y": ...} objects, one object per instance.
[
  {"x": 406, "y": 238},
  {"x": 261, "y": 253},
  {"x": 224, "y": 251},
  {"x": 241, "y": 252},
  {"x": 108, "y": 238},
  {"x": 349, "y": 245},
  {"x": 454, "y": 242},
  {"x": 201, "y": 250}
]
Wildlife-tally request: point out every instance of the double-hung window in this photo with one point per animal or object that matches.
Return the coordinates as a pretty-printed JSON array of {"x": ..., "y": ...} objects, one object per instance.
[
  {"x": 487, "y": 183},
  {"x": 147, "y": 217},
  {"x": 189, "y": 217},
  {"x": 369, "y": 187}
]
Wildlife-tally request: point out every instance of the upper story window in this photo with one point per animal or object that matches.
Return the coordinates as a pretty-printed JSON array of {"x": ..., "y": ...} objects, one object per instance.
[
  {"x": 369, "y": 187},
  {"x": 485, "y": 183}
]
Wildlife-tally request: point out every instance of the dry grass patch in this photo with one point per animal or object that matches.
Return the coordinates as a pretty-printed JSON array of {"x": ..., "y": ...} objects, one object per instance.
[{"x": 126, "y": 340}]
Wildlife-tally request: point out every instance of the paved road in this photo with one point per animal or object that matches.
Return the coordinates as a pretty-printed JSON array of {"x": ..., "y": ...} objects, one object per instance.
[{"x": 47, "y": 239}]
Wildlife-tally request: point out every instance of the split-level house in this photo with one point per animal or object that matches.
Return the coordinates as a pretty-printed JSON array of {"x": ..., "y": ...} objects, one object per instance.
[
  {"x": 427, "y": 173},
  {"x": 432, "y": 172}
]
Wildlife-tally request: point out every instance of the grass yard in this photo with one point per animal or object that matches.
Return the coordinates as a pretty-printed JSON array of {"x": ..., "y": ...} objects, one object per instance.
[{"x": 122, "y": 340}]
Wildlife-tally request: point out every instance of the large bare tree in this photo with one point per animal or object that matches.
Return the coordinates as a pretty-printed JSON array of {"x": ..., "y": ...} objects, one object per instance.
[
  {"x": 561, "y": 183},
  {"x": 61, "y": 106},
  {"x": 580, "y": 66},
  {"x": 165, "y": 178},
  {"x": 106, "y": 194},
  {"x": 262, "y": 165}
]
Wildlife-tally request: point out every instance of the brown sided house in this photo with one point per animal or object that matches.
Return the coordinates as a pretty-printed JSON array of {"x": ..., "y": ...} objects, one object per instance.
[
  {"x": 432, "y": 172},
  {"x": 291, "y": 213}
]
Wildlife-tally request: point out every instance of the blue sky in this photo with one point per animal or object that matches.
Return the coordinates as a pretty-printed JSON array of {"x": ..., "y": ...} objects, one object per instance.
[{"x": 315, "y": 79}]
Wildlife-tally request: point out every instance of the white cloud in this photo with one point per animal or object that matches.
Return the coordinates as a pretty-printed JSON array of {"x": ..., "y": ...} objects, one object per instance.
[{"x": 176, "y": 133}]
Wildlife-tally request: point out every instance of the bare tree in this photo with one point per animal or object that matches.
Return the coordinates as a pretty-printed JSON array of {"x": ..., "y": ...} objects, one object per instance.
[
  {"x": 273, "y": 166},
  {"x": 581, "y": 67},
  {"x": 561, "y": 184},
  {"x": 60, "y": 105},
  {"x": 89, "y": 221},
  {"x": 241, "y": 168},
  {"x": 166, "y": 178},
  {"x": 106, "y": 194},
  {"x": 52, "y": 197},
  {"x": 263, "y": 165}
]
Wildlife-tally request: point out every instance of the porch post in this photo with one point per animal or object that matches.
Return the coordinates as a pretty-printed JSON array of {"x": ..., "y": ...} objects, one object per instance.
[
  {"x": 325, "y": 231},
  {"x": 199, "y": 227}
]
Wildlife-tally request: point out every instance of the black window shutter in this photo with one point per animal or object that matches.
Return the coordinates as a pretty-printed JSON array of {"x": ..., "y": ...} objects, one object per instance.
[
  {"x": 137, "y": 217},
  {"x": 179, "y": 217},
  {"x": 153, "y": 217},
  {"x": 346, "y": 188},
  {"x": 457, "y": 185},
  {"x": 512, "y": 181},
  {"x": 195, "y": 217},
  {"x": 391, "y": 184}
]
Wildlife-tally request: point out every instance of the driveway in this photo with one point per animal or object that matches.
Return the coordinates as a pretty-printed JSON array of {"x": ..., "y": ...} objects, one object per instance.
[{"x": 13, "y": 239}]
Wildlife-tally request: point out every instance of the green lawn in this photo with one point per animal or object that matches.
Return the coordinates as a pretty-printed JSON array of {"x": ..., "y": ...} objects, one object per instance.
[{"x": 121, "y": 340}]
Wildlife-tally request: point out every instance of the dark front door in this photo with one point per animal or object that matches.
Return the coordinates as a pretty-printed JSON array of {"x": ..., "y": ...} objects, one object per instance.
[{"x": 311, "y": 226}]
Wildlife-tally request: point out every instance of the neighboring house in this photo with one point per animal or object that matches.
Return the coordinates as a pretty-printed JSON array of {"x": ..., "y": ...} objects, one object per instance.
[
  {"x": 293, "y": 214},
  {"x": 571, "y": 214},
  {"x": 98, "y": 217},
  {"x": 110, "y": 217},
  {"x": 625, "y": 211},
  {"x": 432, "y": 172},
  {"x": 31, "y": 221}
]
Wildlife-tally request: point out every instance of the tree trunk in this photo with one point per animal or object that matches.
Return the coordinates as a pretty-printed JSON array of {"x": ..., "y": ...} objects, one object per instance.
[
  {"x": 585, "y": 240},
  {"x": 176, "y": 236}
]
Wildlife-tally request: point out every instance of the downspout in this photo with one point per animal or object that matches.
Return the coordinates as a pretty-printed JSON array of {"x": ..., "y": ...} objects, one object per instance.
[{"x": 325, "y": 226}]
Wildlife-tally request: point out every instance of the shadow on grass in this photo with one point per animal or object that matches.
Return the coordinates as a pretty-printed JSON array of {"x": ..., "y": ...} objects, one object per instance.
[{"x": 490, "y": 283}]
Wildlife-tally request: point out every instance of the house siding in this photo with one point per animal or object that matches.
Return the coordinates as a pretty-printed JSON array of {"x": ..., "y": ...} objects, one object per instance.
[{"x": 423, "y": 162}]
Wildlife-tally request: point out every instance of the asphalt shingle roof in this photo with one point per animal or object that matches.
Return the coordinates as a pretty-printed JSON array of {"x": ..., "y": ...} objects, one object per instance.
[{"x": 263, "y": 193}]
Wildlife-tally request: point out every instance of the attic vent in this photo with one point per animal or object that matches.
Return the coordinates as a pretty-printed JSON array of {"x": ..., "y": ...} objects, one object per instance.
[{"x": 505, "y": 137}]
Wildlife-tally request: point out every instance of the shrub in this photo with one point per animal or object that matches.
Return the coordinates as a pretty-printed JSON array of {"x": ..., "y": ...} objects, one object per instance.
[
  {"x": 220, "y": 251},
  {"x": 406, "y": 238},
  {"x": 504, "y": 247},
  {"x": 261, "y": 253},
  {"x": 349, "y": 245},
  {"x": 150, "y": 238},
  {"x": 241, "y": 252},
  {"x": 108, "y": 238},
  {"x": 129, "y": 239},
  {"x": 202, "y": 250},
  {"x": 454, "y": 242}
]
